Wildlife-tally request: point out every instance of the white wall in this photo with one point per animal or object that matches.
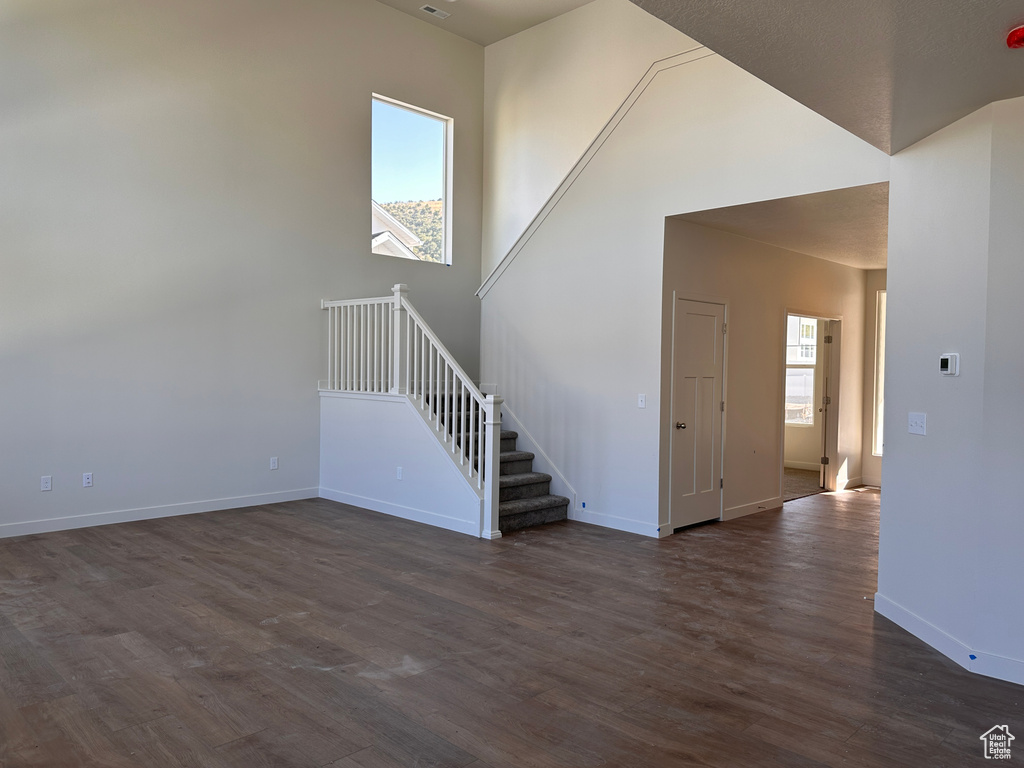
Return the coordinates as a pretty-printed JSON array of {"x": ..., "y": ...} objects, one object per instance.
[
  {"x": 182, "y": 183},
  {"x": 762, "y": 284},
  {"x": 571, "y": 331},
  {"x": 548, "y": 92},
  {"x": 1001, "y": 524},
  {"x": 872, "y": 465},
  {"x": 364, "y": 439},
  {"x": 952, "y": 531}
]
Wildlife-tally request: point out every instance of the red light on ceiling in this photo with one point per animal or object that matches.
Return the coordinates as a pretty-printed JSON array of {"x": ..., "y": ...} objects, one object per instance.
[{"x": 1016, "y": 38}]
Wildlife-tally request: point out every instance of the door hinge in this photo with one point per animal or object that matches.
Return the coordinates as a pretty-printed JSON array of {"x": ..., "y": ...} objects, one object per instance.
[
  {"x": 826, "y": 400},
  {"x": 828, "y": 339},
  {"x": 724, "y": 326},
  {"x": 824, "y": 460},
  {"x": 721, "y": 483},
  {"x": 723, "y": 406}
]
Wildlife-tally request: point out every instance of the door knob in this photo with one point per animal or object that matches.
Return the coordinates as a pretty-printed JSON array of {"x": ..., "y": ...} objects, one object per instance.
[{"x": 680, "y": 425}]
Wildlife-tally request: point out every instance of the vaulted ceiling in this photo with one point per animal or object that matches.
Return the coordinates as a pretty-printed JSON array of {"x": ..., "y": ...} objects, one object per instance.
[{"x": 888, "y": 71}]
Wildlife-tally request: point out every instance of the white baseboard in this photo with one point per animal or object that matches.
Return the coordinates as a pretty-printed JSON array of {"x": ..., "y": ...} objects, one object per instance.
[
  {"x": 988, "y": 664},
  {"x": 938, "y": 639},
  {"x": 852, "y": 482},
  {"x": 874, "y": 482},
  {"x": 999, "y": 667},
  {"x": 470, "y": 527},
  {"x": 611, "y": 521},
  {"x": 151, "y": 513},
  {"x": 748, "y": 509}
]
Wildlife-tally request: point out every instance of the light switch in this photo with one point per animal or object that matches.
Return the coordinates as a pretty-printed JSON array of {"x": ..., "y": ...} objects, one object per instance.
[
  {"x": 917, "y": 423},
  {"x": 641, "y": 401}
]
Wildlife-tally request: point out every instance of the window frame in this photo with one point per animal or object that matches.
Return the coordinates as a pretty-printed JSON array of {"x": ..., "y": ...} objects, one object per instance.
[{"x": 447, "y": 160}]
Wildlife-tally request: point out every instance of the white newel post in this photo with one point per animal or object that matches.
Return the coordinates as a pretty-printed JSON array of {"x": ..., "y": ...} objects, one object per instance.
[
  {"x": 398, "y": 340},
  {"x": 492, "y": 456}
]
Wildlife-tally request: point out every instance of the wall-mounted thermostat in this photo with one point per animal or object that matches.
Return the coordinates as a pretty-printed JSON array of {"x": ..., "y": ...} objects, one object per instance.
[{"x": 949, "y": 364}]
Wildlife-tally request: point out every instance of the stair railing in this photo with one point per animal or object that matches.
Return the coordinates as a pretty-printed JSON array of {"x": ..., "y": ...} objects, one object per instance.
[
  {"x": 383, "y": 345},
  {"x": 359, "y": 345}
]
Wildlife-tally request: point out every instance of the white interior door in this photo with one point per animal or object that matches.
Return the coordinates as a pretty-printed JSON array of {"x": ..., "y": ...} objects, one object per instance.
[{"x": 698, "y": 367}]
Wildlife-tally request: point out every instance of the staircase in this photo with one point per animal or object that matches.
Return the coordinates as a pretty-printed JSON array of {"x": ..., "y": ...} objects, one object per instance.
[
  {"x": 524, "y": 497},
  {"x": 382, "y": 347}
]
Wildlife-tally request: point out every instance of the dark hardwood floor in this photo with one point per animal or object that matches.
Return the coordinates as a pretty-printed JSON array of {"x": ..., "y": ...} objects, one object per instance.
[{"x": 314, "y": 634}]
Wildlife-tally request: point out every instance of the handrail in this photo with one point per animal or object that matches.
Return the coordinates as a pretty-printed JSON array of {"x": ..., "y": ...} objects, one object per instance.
[
  {"x": 324, "y": 304},
  {"x": 383, "y": 345},
  {"x": 685, "y": 57}
]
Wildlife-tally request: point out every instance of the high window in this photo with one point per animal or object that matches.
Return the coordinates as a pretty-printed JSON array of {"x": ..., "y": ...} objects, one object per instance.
[
  {"x": 411, "y": 182},
  {"x": 879, "y": 403},
  {"x": 801, "y": 357}
]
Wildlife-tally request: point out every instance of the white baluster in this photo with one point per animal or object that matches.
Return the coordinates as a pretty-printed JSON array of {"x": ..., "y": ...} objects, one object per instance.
[
  {"x": 464, "y": 411},
  {"x": 474, "y": 442},
  {"x": 408, "y": 353},
  {"x": 339, "y": 346},
  {"x": 423, "y": 369},
  {"x": 437, "y": 388},
  {"x": 349, "y": 322},
  {"x": 331, "y": 311},
  {"x": 447, "y": 403}
]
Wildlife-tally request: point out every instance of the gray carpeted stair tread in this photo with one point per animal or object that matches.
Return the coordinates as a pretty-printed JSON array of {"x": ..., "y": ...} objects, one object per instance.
[
  {"x": 523, "y": 478},
  {"x": 530, "y": 505},
  {"x": 507, "y": 456},
  {"x": 524, "y": 495}
]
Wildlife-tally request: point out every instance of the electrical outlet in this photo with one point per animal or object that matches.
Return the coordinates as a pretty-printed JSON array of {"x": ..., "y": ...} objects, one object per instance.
[
  {"x": 273, "y": 462},
  {"x": 917, "y": 423},
  {"x": 87, "y": 479},
  {"x": 46, "y": 483},
  {"x": 398, "y": 473}
]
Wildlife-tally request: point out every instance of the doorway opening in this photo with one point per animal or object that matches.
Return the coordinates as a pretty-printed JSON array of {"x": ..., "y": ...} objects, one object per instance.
[{"x": 810, "y": 405}]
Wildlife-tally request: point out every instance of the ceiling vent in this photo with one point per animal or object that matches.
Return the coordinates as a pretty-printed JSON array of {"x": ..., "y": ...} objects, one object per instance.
[{"x": 435, "y": 12}]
